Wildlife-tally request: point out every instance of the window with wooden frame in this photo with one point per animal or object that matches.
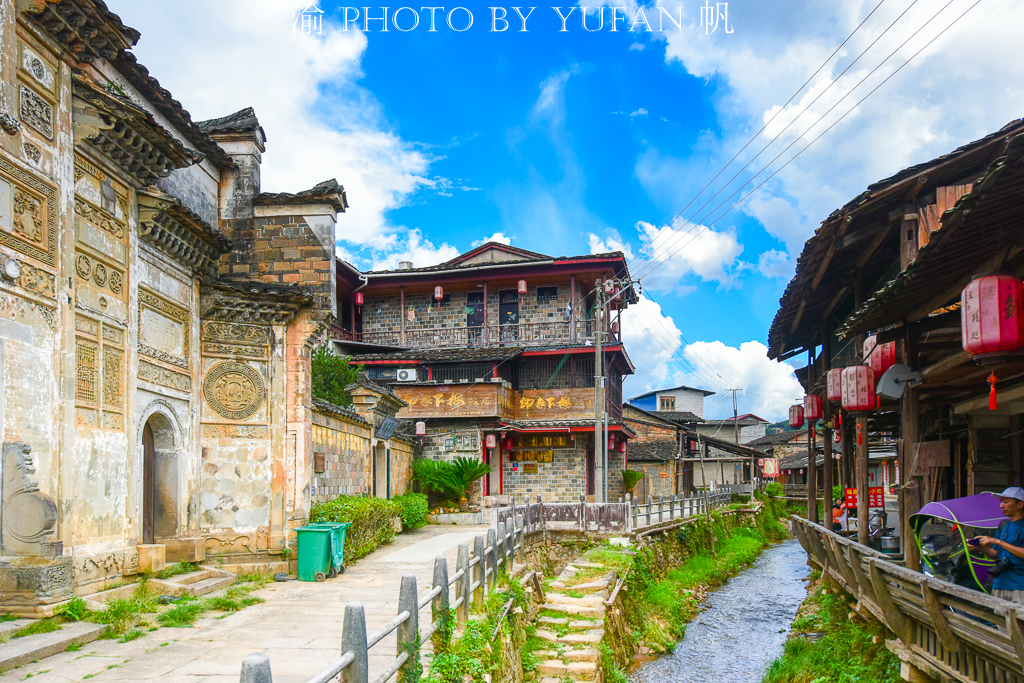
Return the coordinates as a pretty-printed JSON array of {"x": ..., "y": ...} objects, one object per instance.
[
  {"x": 667, "y": 403},
  {"x": 547, "y": 293}
]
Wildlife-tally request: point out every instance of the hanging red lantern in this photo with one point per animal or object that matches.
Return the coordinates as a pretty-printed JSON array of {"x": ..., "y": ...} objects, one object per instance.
[
  {"x": 882, "y": 358},
  {"x": 611, "y": 443},
  {"x": 522, "y": 287},
  {"x": 421, "y": 429},
  {"x": 812, "y": 407},
  {"x": 439, "y": 292},
  {"x": 837, "y": 436},
  {"x": 358, "y": 298},
  {"x": 491, "y": 441},
  {"x": 991, "y": 323},
  {"x": 796, "y": 417},
  {"x": 622, "y": 447},
  {"x": 506, "y": 443},
  {"x": 834, "y": 384},
  {"x": 858, "y": 388},
  {"x": 615, "y": 327}
]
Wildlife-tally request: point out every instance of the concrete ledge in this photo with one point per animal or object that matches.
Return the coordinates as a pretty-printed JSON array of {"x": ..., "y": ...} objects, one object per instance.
[
  {"x": 458, "y": 518},
  {"x": 184, "y": 549},
  {"x": 21, "y": 651}
]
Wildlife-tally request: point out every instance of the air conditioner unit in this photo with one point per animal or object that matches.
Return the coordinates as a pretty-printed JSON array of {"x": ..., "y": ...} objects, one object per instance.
[{"x": 407, "y": 375}]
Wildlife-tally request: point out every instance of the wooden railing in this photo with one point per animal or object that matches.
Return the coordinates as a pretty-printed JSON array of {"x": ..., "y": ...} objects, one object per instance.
[
  {"x": 475, "y": 576},
  {"x": 944, "y": 630},
  {"x": 665, "y": 510},
  {"x": 524, "y": 333}
]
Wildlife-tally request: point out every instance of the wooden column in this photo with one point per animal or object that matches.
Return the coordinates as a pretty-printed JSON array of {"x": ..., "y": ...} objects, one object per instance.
[
  {"x": 812, "y": 483},
  {"x": 846, "y": 461},
  {"x": 486, "y": 330},
  {"x": 862, "y": 479},
  {"x": 401, "y": 315},
  {"x": 572, "y": 316},
  {"x": 826, "y": 432},
  {"x": 910, "y": 489}
]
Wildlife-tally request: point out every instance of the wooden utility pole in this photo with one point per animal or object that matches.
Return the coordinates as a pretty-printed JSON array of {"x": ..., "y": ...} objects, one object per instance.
[
  {"x": 707, "y": 501},
  {"x": 599, "y": 437},
  {"x": 862, "y": 480}
]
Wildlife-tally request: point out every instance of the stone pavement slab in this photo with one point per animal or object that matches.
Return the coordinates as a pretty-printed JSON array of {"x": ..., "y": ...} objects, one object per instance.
[{"x": 298, "y": 627}]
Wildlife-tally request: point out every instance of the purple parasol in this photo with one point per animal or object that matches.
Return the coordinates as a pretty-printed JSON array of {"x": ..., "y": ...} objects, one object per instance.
[{"x": 981, "y": 510}]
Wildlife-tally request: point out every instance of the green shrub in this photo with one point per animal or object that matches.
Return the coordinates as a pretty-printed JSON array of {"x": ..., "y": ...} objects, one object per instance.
[
  {"x": 774, "y": 490},
  {"x": 372, "y": 522},
  {"x": 74, "y": 610},
  {"x": 414, "y": 510},
  {"x": 331, "y": 374}
]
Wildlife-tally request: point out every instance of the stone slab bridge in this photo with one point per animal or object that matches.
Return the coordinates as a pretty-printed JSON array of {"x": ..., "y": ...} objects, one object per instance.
[{"x": 943, "y": 632}]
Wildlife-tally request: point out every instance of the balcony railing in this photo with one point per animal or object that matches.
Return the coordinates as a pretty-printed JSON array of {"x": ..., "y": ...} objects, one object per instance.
[{"x": 519, "y": 334}]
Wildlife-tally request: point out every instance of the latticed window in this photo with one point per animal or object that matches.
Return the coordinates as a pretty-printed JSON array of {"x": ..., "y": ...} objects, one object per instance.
[{"x": 667, "y": 403}]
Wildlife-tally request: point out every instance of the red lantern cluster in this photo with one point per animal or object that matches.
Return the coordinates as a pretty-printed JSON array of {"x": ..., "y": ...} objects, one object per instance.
[
  {"x": 812, "y": 407},
  {"x": 796, "y": 417},
  {"x": 858, "y": 384},
  {"x": 834, "y": 384}
]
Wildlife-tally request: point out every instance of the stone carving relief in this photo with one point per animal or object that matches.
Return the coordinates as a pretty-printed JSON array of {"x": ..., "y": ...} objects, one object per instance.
[
  {"x": 29, "y": 516},
  {"x": 235, "y": 431},
  {"x": 37, "y": 280},
  {"x": 31, "y": 227},
  {"x": 112, "y": 334},
  {"x": 10, "y": 124},
  {"x": 236, "y": 333},
  {"x": 27, "y": 587},
  {"x": 16, "y": 308},
  {"x": 85, "y": 325},
  {"x": 164, "y": 377},
  {"x": 32, "y": 153},
  {"x": 107, "y": 277},
  {"x": 99, "y": 275},
  {"x": 234, "y": 390},
  {"x": 36, "y": 112},
  {"x": 36, "y": 66},
  {"x": 86, "y": 351},
  {"x": 253, "y": 352},
  {"x": 163, "y": 329},
  {"x": 99, "y": 218},
  {"x": 255, "y": 542},
  {"x": 113, "y": 385},
  {"x": 116, "y": 282}
]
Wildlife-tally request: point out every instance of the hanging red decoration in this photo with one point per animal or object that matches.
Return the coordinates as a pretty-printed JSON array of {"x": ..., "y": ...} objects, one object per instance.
[
  {"x": 834, "y": 384},
  {"x": 812, "y": 407},
  {"x": 837, "y": 436},
  {"x": 506, "y": 443},
  {"x": 796, "y": 417},
  {"x": 858, "y": 388},
  {"x": 491, "y": 441},
  {"x": 882, "y": 358},
  {"x": 439, "y": 292},
  {"x": 615, "y": 328},
  {"x": 522, "y": 287},
  {"x": 991, "y": 322},
  {"x": 421, "y": 428},
  {"x": 860, "y": 434},
  {"x": 622, "y": 447},
  {"x": 992, "y": 379},
  {"x": 812, "y": 437}
]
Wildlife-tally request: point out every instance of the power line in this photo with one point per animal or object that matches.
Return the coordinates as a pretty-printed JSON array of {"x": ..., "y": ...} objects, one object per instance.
[{"x": 793, "y": 158}]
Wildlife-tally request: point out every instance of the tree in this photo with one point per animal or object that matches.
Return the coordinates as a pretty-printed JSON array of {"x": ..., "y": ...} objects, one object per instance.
[{"x": 331, "y": 374}]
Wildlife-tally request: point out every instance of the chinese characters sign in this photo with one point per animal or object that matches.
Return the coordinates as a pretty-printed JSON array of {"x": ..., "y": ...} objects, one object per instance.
[
  {"x": 494, "y": 400},
  {"x": 876, "y": 497}
]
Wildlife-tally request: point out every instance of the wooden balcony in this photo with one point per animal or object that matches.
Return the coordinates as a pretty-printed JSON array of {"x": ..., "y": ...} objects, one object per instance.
[{"x": 520, "y": 334}]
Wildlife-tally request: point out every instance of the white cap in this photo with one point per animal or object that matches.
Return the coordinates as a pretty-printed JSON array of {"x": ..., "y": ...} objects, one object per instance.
[{"x": 1015, "y": 492}]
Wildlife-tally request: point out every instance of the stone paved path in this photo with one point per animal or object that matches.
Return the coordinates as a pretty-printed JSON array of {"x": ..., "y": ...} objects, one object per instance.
[{"x": 298, "y": 627}]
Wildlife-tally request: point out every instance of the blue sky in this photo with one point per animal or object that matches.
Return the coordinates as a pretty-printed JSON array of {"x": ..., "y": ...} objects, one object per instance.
[{"x": 566, "y": 143}]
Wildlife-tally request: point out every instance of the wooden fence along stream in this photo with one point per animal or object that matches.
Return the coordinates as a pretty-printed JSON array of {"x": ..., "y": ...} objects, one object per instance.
[{"x": 946, "y": 631}]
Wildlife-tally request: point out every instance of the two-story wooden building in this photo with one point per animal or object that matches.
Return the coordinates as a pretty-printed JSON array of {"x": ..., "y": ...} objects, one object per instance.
[{"x": 495, "y": 352}]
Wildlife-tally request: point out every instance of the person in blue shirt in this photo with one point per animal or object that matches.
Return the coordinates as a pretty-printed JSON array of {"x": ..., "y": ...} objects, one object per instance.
[{"x": 1008, "y": 544}]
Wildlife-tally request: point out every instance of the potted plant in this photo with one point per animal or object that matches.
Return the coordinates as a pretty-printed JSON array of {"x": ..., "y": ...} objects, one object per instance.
[{"x": 460, "y": 477}]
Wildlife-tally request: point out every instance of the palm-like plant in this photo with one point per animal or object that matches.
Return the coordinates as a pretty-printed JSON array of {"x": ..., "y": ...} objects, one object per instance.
[
  {"x": 461, "y": 475},
  {"x": 630, "y": 478}
]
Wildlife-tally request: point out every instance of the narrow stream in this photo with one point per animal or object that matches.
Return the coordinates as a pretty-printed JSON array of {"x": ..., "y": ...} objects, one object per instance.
[{"x": 744, "y": 626}]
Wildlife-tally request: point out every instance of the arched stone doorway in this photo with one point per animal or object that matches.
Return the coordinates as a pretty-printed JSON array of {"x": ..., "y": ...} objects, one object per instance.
[{"x": 159, "y": 479}]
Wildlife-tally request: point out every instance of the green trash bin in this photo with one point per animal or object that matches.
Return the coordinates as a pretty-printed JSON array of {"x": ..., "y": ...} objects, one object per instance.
[
  {"x": 338, "y": 530},
  {"x": 314, "y": 550}
]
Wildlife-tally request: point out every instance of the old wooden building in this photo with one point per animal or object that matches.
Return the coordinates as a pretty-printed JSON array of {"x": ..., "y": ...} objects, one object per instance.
[
  {"x": 494, "y": 352},
  {"x": 156, "y": 316}
]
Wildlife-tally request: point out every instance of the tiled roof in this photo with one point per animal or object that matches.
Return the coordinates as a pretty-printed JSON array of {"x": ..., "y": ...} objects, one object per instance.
[
  {"x": 455, "y": 265},
  {"x": 327, "y": 192},
  {"x": 243, "y": 120},
  {"x": 777, "y": 438},
  {"x": 339, "y": 411},
  {"x": 681, "y": 386},
  {"x": 677, "y": 416},
  {"x": 653, "y": 449}
]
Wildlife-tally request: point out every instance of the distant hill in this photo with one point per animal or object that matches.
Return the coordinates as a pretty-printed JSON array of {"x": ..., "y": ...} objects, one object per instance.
[{"x": 780, "y": 426}]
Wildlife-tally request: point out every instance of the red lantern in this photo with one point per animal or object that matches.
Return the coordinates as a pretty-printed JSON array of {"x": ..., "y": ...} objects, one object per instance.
[
  {"x": 812, "y": 407},
  {"x": 834, "y": 384},
  {"x": 439, "y": 292},
  {"x": 506, "y": 443},
  {"x": 421, "y": 429},
  {"x": 359, "y": 298},
  {"x": 796, "y": 417},
  {"x": 491, "y": 441},
  {"x": 837, "y": 436},
  {"x": 611, "y": 443},
  {"x": 991, "y": 323},
  {"x": 522, "y": 287},
  {"x": 882, "y": 357},
  {"x": 858, "y": 388},
  {"x": 622, "y": 447},
  {"x": 615, "y": 328}
]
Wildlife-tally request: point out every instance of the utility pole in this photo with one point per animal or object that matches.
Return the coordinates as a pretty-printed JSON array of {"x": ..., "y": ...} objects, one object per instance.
[
  {"x": 599, "y": 437},
  {"x": 736, "y": 431}
]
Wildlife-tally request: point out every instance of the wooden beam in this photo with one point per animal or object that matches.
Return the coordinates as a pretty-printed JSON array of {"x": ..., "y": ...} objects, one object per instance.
[
  {"x": 953, "y": 291},
  {"x": 1013, "y": 628},
  {"x": 799, "y": 314},
  {"x": 937, "y": 613},
  {"x": 870, "y": 250},
  {"x": 944, "y": 365},
  {"x": 865, "y": 233},
  {"x": 824, "y": 265},
  {"x": 894, "y": 618}
]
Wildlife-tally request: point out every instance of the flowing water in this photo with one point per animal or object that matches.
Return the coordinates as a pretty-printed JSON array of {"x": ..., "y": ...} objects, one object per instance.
[{"x": 744, "y": 626}]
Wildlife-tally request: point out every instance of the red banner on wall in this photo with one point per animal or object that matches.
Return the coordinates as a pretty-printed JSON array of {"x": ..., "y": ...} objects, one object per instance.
[{"x": 876, "y": 497}]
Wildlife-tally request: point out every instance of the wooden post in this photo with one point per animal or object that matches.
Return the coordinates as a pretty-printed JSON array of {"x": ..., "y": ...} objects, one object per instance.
[
  {"x": 672, "y": 507},
  {"x": 353, "y": 639},
  {"x": 650, "y": 504},
  {"x": 572, "y": 316},
  {"x": 401, "y": 318},
  {"x": 463, "y": 587},
  {"x": 409, "y": 630},
  {"x": 255, "y": 669},
  {"x": 479, "y": 572},
  {"x": 492, "y": 558},
  {"x": 499, "y": 551},
  {"x": 862, "y": 480},
  {"x": 827, "y": 483},
  {"x": 520, "y": 543},
  {"x": 812, "y": 452},
  {"x": 486, "y": 334},
  {"x": 910, "y": 488}
]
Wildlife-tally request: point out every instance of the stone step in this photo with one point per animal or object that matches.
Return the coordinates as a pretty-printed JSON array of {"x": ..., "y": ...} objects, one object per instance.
[
  {"x": 207, "y": 586},
  {"x": 571, "y": 655},
  {"x": 578, "y": 610},
  {"x": 191, "y": 577},
  {"x": 590, "y": 585},
  {"x": 593, "y": 600},
  {"x": 579, "y": 623},
  {"x": 591, "y": 637},
  {"x": 21, "y": 651},
  {"x": 10, "y": 626},
  {"x": 579, "y": 671}
]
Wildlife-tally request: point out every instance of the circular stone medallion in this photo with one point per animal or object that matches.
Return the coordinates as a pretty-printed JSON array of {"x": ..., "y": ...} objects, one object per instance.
[{"x": 235, "y": 390}]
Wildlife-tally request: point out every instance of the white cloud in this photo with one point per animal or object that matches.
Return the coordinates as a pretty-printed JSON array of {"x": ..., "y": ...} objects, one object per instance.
[
  {"x": 769, "y": 387},
  {"x": 639, "y": 112},
  {"x": 774, "y": 263},
  {"x": 413, "y": 247},
  {"x": 499, "y": 237},
  {"x": 550, "y": 104},
  {"x": 217, "y": 58},
  {"x": 940, "y": 100},
  {"x": 651, "y": 338}
]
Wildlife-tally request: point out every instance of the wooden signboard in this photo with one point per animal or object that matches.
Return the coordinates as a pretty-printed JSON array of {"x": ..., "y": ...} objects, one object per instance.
[
  {"x": 555, "y": 404},
  {"x": 455, "y": 400},
  {"x": 926, "y": 454}
]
